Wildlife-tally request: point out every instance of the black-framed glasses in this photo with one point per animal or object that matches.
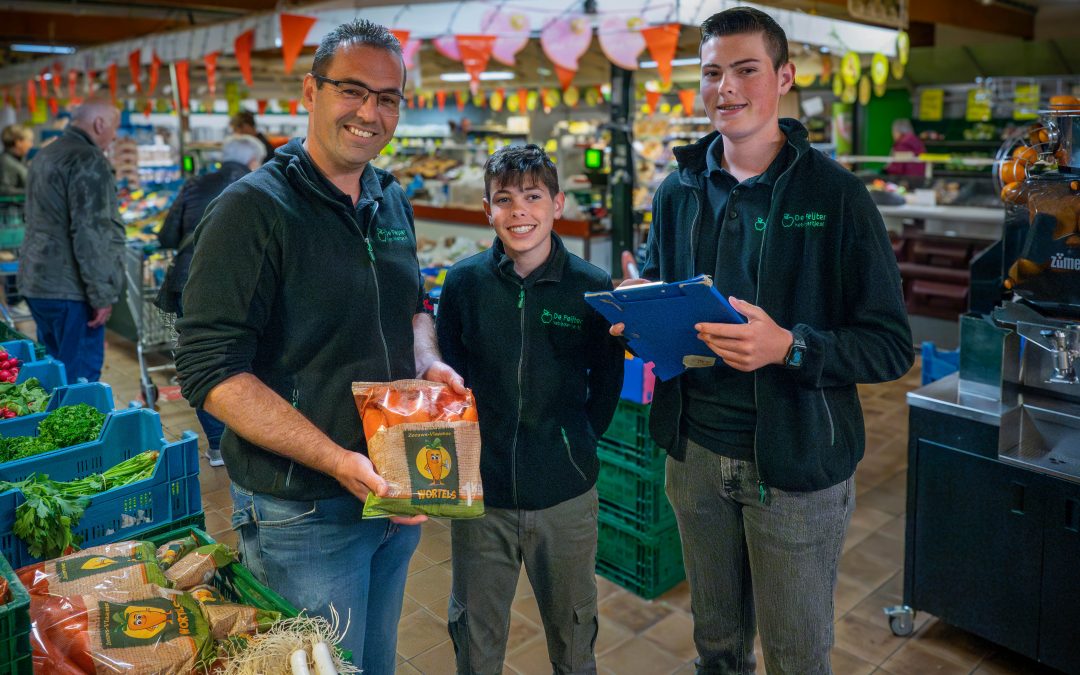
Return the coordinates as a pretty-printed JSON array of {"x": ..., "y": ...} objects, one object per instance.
[{"x": 357, "y": 93}]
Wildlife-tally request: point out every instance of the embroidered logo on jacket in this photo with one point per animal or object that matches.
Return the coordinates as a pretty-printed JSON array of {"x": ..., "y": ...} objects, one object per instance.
[
  {"x": 391, "y": 235},
  {"x": 808, "y": 219},
  {"x": 560, "y": 320}
]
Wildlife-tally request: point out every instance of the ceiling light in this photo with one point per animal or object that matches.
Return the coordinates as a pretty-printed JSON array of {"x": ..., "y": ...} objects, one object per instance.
[
  {"x": 675, "y": 62},
  {"x": 42, "y": 49},
  {"x": 486, "y": 75}
]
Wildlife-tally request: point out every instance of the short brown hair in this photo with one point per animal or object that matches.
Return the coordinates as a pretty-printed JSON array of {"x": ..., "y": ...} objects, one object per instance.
[
  {"x": 743, "y": 20},
  {"x": 13, "y": 133},
  {"x": 513, "y": 164}
]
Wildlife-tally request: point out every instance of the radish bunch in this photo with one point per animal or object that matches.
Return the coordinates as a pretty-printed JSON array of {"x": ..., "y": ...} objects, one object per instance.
[{"x": 9, "y": 367}]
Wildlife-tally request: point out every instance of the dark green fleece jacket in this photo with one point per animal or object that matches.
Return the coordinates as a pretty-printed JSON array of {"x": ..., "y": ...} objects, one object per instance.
[
  {"x": 826, "y": 272},
  {"x": 292, "y": 283}
]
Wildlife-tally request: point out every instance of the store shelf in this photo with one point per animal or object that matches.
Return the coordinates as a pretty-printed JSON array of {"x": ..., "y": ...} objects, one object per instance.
[{"x": 989, "y": 145}]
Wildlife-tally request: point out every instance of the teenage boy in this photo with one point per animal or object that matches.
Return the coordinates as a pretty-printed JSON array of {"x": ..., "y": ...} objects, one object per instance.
[
  {"x": 763, "y": 445},
  {"x": 547, "y": 376}
]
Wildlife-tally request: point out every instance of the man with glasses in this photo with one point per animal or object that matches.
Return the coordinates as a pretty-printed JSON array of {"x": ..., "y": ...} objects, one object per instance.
[{"x": 305, "y": 279}]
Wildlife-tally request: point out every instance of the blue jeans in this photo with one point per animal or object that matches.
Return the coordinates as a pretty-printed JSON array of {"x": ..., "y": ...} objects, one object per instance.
[
  {"x": 212, "y": 427},
  {"x": 753, "y": 566},
  {"x": 61, "y": 327},
  {"x": 321, "y": 552}
]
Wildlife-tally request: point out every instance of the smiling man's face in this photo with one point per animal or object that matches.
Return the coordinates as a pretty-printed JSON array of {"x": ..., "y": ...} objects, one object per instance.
[{"x": 739, "y": 85}]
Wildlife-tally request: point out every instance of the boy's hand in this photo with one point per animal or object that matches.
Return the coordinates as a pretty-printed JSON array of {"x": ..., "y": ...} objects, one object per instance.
[
  {"x": 440, "y": 372},
  {"x": 747, "y": 346},
  {"x": 618, "y": 328}
]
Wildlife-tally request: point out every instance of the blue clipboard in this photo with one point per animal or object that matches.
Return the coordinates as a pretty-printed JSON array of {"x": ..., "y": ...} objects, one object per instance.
[{"x": 660, "y": 321}]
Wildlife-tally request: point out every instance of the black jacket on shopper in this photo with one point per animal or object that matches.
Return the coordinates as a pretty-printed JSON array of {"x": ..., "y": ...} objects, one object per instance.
[
  {"x": 545, "y": 371},
  {"x": 185, "y": 214}
]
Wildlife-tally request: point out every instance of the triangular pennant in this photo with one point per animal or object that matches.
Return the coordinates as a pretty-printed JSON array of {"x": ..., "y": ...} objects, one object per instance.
[
  {"x": 523, "y": 100},
  {"x": 31, "y": 96},
  {"x": 653, "y": 99},
  {"x": 440, "y": 99},
  {"x": 294, "y": 30},
  {"x": 242, "y": 46},
  {"x": 155, "y": 68},
  {"x": 294, "y": 106},
  {"x": 210, "y": 61},
  {"x": 73, "y": 82},
  {"x": 459, "y": 95},
  {"x": 148, "y": 107},
  {"x": 662, "y": 42},
  {"x": 54, "y": 106},
  {"x": 261, "y": 105},
  {"x": 401, "y": 35},
  {"x": 565, "y": 75},
  {"x": 687, "y": 98},
  {"x": 183, "y": 84},
  {"x": 112, "y": 80},
  {"x": 475, "y": 52},
  {"x": 58, "y": 75},
  {"x": 136, "y": 69},
  {"x": 43, "y": 83}
]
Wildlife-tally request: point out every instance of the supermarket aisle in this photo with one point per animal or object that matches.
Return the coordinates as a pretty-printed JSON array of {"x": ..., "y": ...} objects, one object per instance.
[{"x": 651, "y": 638}]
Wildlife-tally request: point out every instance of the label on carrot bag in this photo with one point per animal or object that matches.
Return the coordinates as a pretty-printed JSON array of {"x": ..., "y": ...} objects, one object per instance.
[
  {"x": 89, "y": 566},
  {"x": 433, "y": 469},
  {"x": 145, "y": 622}
]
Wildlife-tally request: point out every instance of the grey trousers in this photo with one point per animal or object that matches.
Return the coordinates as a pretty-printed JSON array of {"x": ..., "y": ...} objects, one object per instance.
[
  {"x": 776, "y": 561},
  {"x": 558, "y": 547}
]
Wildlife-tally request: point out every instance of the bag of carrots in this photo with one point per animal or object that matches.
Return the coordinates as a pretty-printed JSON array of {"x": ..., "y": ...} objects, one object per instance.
[{"x": 424, "y": 440}]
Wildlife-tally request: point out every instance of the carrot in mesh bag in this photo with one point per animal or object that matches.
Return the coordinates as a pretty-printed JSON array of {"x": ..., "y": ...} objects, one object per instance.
[
  {"x": 171, "y": 551},
  {"x": 163, "y": 633},
  {"x": 199, "y": 566},
  {"x": 123, "y": 567},
  {"x": 424, "y": 440},
  {"x": 229, "y": 618}
]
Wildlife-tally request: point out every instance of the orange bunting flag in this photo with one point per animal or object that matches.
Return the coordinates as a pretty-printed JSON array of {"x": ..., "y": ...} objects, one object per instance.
[
  {"x": 687, "y": 98},
  {"x": 653, "y": 99},
  {"x": 662, "y": 42},
  {"x": 136, "y": 69},
  {"x": 242, "y": 46},
  {"x": 294, "y": 106},
  {"x": 43, "y": 83},
  {"x": 294, "y": 30},
  {"x": 73, "y": 81},
  {"x": 183, "y": 84},
  {"x": 54, "y": 106},
  {"x": 112, "y": 80},
  {"x": 459, "y": 95},
  {"x": 148, "y": 107},
  {"x": 155, "y": 67},
  {"x": 261, "y": 105},
  {"x": 440, "y": 99},
  {"x": 210, "y": 61},
  {"x": 58, "y": 75},
  {"x": 523, "y": 101},
  {"x": 31, "y": 96},
  {"x": 475, "y": 52},
  {"x": 18, "y": 97},
  {"x": 565, "y": 75}
]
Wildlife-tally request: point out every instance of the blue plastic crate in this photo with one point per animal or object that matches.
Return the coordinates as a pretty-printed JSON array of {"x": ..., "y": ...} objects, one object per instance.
[
  {"x": 96, "y": 394},
  {"x": 170, "y": 494},
  {"x": 20, "y": 349},
  {"x": 124, "y": 434},
  {"x": 937, "y": 363},
  {"x": 49, "y": 372},
  {"x": 638, "y": 380}
]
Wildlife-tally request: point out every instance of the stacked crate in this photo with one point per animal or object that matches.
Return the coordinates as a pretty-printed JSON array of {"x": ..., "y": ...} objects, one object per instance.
[{"x": 638, "y": 546}]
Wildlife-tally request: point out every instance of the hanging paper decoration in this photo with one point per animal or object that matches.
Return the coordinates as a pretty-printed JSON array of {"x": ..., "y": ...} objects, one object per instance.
[
  {"x": 58, "y": 75},
  {"x": 260, "y": 105},
  {"x": 183, "y": 88},
  {"x": 652, "y": 99},
  {"x": 136, "y": 69},
  {"x": 210, "y": 61},
  {"x": 421, "y": 100},
  {"x": 459, "y": 96},
  {"x": 879, "y": 69},
  {"x": 410, "y": 102},
  {"x": 662, "y": 42},
  {"x": 43, "y": 83},
  {"x": 572, "y": 97},
  {"x": 479, "y": 99},
  {"x": 242, "y": 47},
  {"x": 409, "y": 48},
  {"x": 864, "y": 90},
  {"x": 564, "y": 41},
  {"x": 512, "y": 29},
  {"x": 155, "y": 67},
  {"x": 523, "y": 99},
  {"x": 148, "y": 107},
  {"x": 31, "y": 96},
  {"x": 475, "y": 51},
  {"x": 498, "y": 99},
  {"x": 903, "y": 47},
  {"x": 440, "y": 99},
  {"x": 447, "y": 46},
  {"x": 565, "y": 75},
  {"x": 687, "y": 98},
  {"x": 826, "y": 68},
  {"x": 73, "y": 81},
  {"x": 897, "y": 69},
  {"x": 294, "y": 30},
  {"x": 294, "y": 106},
  {"x": 850, "y": 69},
  {"x": 54, "y": 106},
  {"x": 621, "y": 40},
  {"x": 112, "y": 80},
  {"x": 513, "y": 104}
]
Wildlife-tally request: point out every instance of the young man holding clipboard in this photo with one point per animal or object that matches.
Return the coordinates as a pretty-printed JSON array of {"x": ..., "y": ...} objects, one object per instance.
[{"x": 763, "y": 447}]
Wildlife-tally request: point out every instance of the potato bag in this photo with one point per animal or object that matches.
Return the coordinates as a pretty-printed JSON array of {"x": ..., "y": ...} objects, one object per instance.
[{"x": 424, "y": 440}]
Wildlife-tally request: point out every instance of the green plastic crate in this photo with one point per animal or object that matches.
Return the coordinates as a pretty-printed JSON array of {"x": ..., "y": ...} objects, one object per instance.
[
  {"x": 634, "y": 496},
  {"x": 15, "y": 654},
  {"x": 12, "y": 237},
  {"x": 7, "y": 333},
  {"x": 630, "y": 425},
  {"x": 644, "y": 565}
]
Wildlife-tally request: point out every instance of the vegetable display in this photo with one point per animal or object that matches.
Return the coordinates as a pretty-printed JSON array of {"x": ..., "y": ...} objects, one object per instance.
[
  {"x": 21, "y": 399},
  {"x": 63, "y": 427},
  {"x": 9, "y": 367},
  {"x": 290, "y": 647}
]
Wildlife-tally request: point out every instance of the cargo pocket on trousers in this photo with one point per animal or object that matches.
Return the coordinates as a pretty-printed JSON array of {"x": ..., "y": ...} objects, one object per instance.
[
  {"x": 457, "y": 624},
  {"x": 583, "y": 642}
]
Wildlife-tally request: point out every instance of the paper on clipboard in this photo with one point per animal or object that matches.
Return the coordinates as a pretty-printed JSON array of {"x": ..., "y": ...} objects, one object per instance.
[{"x": 660, "y": 319}]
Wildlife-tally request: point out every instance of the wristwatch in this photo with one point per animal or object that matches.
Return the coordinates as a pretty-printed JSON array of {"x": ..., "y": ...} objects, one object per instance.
[{"x": 796, "y": 352}]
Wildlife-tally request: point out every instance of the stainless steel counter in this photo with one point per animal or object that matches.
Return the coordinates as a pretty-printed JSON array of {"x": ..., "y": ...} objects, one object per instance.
[{"x": 944, "y": 396}]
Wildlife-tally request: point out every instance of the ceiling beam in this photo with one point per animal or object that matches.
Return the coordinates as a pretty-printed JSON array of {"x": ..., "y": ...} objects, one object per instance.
[
  {"x": 194, "y": 12},
  {"x": 84, "y": 31},
  {"x": 971, "y": 14}
]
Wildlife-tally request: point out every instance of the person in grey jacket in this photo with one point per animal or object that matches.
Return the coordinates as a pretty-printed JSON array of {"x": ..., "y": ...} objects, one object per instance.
[
  {"x": 72, "y": 259},
  {"x": 17, "y": 142}
]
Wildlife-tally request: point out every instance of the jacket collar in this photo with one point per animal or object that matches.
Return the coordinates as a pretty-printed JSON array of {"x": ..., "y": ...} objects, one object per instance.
[
  {"x": 693, "y": 158},
  {"x": 76, "y": 132},
  {"x": 297, "y": 164},
  {"x": 551, "y": 270}
]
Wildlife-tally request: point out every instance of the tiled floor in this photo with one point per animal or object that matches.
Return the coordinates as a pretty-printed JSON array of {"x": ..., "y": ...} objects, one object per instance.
[{"x": 651, "y": 638}]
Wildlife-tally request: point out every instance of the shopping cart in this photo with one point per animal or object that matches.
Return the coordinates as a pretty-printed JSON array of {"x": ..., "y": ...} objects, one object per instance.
[{"x": 149, "y": 328}]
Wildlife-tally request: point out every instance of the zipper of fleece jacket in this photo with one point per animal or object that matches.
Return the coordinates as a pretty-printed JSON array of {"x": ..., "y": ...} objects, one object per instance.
[
  {"x": 521, "y": 395},
  {"x": 378, "y": 294}
]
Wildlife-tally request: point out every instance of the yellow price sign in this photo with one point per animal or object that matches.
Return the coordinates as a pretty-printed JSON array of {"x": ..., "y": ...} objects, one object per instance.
[
  {"x": 935, "y": 157},
  {"x": 879, "y": 69},
  {"x": 864, "y": 90},
  {"x": 979, "y": 103},
  {"x": 931, "y": 104},
  {"x": 496, "y": 100},
  {"x": 903, "y": 47},
  {"x": 851, "y": 68},
  {"x": 1026, "y": 102}
]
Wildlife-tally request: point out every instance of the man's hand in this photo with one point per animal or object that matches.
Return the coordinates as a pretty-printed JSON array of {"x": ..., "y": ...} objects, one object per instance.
[
  {"x": 99, "y": 317},
  {"x": 440, "y": 372},
  {"x": 618, "y": 328},
  {"x": 747, "y": 346},
  {"x": 357, "y": 474}
]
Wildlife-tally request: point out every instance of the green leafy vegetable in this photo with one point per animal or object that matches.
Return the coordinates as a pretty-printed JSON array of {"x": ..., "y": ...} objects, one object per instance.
[
  {"x": 52, "y": 510},
  {"x": 71, "y": 425},
  {"x": 24, "y": 398},
  {"x": 20, "y": 447}
]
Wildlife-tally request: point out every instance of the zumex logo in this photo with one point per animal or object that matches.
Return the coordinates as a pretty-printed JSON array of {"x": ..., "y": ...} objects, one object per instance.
[
  {"x": 388, "y": 234},
  {"x": 1060, "y": 262},
  {"x": 808, "y": 219},
  {"x": 560, "y": 320}
]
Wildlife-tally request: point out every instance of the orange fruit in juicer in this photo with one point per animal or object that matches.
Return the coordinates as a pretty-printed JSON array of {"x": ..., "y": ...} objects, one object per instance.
[
  {"x": 1064, "y": 102},
  {"x": 1013, "y": 171},
  {"x": 1012, "y": 194},
  {"x": 1026, "y": 153}
]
